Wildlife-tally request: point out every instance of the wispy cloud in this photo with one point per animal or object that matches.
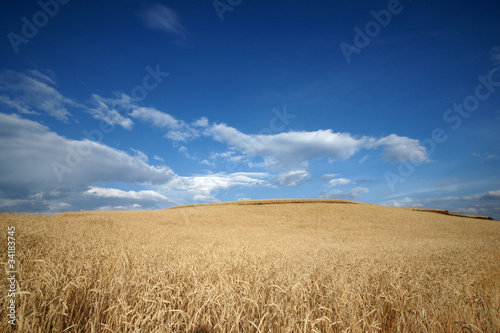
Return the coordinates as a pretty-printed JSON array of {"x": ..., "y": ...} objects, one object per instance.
[
  {"x": 177, "y": 130},
  {"x": 34, "y": 93},
  {"x": 162, "y": 18},
  {"x": 105, "y": 110},
  {"x": 363, "y": 159},
  {"x": 486, "y": 156},
  {"x": 155, "y": 118},
  {"x": 43, "y": 77}
]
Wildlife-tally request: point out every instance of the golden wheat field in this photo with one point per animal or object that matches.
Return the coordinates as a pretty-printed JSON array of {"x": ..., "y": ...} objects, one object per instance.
[{"x": 304, "y": 266}]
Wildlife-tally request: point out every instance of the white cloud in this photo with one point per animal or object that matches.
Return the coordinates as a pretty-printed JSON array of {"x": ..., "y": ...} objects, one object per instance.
[
  {"x": 202, "y": 122},
  {"x": 406, "y": 202},
  {"x": 163, "y": 18},
  {"x": 399, "y": 148},
  {"x": 363, "y": 159},
  {"x": 292, "y": 178},
  {"x": 358, "y": 192},
  {"x": 155, "y": 117},
  {"x": 36, "y": 93},
  {"x": 116, "y": 193},
  {"x": 353, "y": 194},
  {"x": 158, "y": 158},
  {"x": 116, "y": 111},
  {"x": 490, "y": 195},
  {"x": 16, "y": 105},
  {"x": 202, "y": 187},
  {"x": 35, "y": 160},
  {"x": 177, "y": 130},
  {"x": 184, "y": 134},
  {"x": 339, "y": 182},
  {"x": 105, "y": 110},
  {"x": 143, "y": 157},
  {"x": 290, "y": 149},
  {"x": 43, "y": 77},
  {"x": 121, "y": 207},
  {"x": 31, "y": 96},
  {"x": 468, "y": 210},
  {"x": 329, "y": 175}
]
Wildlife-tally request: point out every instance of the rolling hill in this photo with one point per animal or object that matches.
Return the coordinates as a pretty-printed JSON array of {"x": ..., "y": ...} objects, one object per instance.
[{"x": 285, "y": 265}]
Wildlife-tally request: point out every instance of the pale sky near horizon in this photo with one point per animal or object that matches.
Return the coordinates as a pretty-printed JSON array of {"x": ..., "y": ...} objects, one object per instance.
[{"x": 122, "y": 105}]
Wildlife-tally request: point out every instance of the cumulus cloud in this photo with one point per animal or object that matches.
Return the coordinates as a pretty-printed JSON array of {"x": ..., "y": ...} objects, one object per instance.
[
  {"x": 34, "y": 93},
  {"x": 43, "y": 167},
  {"x": 289, "y": 149},
  {"x": 35, "y": 160}
]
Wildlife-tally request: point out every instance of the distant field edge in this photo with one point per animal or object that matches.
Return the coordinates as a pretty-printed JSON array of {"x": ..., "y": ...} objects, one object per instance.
[
  {"x": 272, "y": 202},
  {"x": 325, "y": 201},
  {"x": 445, "y": 212}
]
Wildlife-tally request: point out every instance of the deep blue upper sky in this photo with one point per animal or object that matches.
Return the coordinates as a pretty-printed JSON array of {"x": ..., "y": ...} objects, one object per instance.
[{"x": 141, "y": 104}]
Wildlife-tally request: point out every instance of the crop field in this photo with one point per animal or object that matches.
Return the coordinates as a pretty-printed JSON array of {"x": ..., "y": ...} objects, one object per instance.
[{"x": 251, "y": 266}]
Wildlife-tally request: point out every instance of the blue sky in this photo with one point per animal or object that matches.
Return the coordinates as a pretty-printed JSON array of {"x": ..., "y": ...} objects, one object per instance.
[{"x": 142, "y": 105}]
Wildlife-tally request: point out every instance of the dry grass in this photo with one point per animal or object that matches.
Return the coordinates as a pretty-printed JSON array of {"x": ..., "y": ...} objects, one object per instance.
[{"x": 312, "y": 267}]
